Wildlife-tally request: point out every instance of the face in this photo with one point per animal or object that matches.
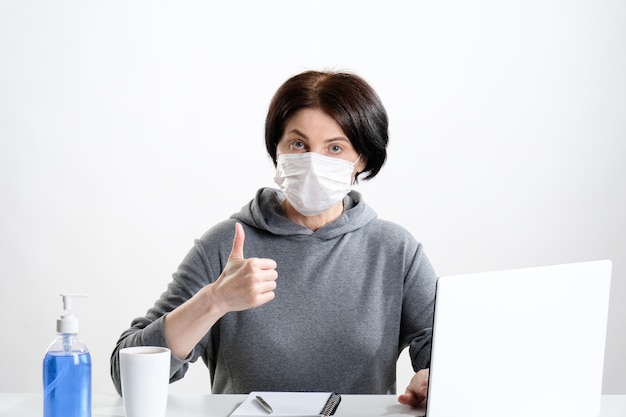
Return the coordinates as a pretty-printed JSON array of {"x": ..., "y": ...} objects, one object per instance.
[{"x": 312, "y": 130}]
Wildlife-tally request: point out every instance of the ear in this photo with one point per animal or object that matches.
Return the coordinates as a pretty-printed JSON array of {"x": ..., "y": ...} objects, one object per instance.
[{"x": 359, "y": 167}]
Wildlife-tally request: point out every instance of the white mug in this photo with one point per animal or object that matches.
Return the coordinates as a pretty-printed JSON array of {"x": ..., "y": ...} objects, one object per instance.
[{"x": 145, "y": 374}]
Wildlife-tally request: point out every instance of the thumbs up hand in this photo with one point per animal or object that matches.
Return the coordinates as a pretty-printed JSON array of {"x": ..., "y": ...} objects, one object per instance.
[{"x": 245, "y": 283}]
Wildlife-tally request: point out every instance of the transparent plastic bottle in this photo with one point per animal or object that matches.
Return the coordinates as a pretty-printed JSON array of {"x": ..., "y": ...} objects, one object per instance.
[{"x": 67, "y": 370}]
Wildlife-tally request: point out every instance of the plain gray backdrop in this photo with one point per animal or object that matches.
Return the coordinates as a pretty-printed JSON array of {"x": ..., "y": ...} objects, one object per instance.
[{"x": 128, "y": 128}]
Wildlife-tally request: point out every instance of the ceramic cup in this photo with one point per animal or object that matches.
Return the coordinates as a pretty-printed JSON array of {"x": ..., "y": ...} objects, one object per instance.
[{"x": 145, "y": 374}]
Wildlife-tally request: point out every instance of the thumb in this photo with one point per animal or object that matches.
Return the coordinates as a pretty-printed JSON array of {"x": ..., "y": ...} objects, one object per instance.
[{"x": 237, "y": 250}]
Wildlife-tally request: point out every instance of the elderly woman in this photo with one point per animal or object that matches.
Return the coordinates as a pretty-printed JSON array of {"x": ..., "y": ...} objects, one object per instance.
[{"x": 304, "y": 289}]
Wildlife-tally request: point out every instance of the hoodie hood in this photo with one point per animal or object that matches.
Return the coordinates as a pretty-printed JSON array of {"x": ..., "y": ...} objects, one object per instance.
[{"x": 265, "y": 212}]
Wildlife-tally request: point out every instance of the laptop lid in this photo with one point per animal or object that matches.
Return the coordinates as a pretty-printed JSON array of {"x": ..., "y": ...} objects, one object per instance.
[{"x": 525, "y": 342}]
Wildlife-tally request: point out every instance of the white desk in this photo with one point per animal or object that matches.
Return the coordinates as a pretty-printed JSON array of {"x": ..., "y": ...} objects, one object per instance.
[{"x": 30, "y": 405}]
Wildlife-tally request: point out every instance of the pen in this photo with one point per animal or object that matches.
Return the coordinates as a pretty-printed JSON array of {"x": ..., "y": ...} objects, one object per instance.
[{"x": 264, "y": 404}]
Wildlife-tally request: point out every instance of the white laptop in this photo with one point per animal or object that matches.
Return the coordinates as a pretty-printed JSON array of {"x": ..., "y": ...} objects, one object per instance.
[{"x": 525, "y": 342}]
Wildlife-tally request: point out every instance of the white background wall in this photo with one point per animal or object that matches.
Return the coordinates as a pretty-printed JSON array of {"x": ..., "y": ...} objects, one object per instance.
[{"x": 127, "y": 128}]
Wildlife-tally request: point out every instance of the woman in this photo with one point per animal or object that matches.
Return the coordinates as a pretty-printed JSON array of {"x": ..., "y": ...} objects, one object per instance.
[{"x": 304, "y": 289}]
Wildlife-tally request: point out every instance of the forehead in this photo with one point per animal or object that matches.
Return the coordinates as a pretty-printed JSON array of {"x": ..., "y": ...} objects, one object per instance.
[{"x": 314, "y": 121}]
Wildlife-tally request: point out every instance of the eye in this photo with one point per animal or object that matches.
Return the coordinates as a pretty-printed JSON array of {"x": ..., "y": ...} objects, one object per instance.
[
  {"x": 297, "y": 145},
  {"x": 335, "y": 149}
]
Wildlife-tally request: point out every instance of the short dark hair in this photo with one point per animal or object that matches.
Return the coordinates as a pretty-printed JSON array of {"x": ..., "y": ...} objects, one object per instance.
[{"x": 345, "y": 97}]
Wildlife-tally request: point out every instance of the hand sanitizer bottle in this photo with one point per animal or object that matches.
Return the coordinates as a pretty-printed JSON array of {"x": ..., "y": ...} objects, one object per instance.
[{"x": 67, "y": 369}]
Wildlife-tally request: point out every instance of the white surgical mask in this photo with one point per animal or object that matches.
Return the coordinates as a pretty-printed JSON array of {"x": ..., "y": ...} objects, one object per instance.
[{"x": 313, "y": 183}]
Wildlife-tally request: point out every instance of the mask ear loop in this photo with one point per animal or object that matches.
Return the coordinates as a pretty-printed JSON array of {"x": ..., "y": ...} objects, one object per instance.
[{"x": 355, "y": 180}]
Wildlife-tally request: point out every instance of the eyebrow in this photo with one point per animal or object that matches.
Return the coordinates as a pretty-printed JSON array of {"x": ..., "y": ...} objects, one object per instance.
[{"x": 340, "y": 138}]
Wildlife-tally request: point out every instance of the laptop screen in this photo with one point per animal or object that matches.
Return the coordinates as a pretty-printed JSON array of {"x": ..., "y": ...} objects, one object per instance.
[{"x": 520, "y": 342}]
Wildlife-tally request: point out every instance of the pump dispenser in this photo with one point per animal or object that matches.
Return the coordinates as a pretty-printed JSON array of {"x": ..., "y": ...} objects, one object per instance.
[{"x": 67, "y": 369}]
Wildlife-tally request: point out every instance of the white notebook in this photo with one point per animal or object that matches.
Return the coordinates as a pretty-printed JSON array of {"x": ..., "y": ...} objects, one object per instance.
[{"x": 289, "y": 404}]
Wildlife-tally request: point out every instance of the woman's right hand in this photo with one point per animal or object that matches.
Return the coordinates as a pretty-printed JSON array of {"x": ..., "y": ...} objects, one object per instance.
[{"x": 244, "y": 283}]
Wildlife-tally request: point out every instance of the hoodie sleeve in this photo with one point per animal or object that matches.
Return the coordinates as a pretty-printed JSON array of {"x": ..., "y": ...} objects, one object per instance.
[
  {"x": 196, "y": 271},
  {"x": 418, "y": 309}
]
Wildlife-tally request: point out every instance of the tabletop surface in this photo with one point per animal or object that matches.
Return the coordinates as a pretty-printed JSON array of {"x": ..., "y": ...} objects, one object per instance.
[{"x": 30, "y": 405}]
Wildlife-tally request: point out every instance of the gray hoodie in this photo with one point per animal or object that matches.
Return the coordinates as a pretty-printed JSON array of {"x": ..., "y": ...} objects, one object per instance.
[{"x": 350, "y": 296}]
